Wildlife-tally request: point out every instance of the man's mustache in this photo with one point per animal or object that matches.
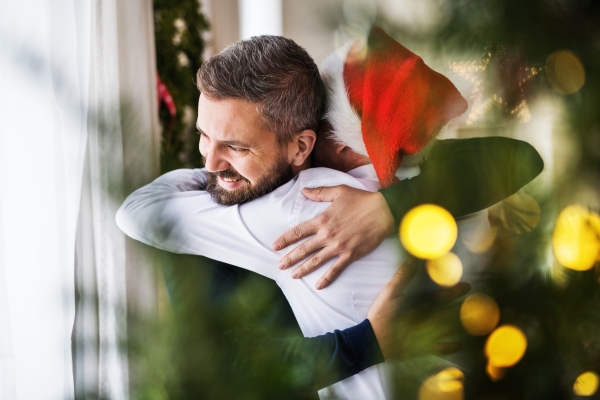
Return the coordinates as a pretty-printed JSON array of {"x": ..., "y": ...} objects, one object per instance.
[{"x": 229, "y": 174}]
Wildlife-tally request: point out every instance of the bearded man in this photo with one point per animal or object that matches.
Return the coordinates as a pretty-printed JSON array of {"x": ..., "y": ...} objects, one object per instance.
[{"x": 258, "y": 114}]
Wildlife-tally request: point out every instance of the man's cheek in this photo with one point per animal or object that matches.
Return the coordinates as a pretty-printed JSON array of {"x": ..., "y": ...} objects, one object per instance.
[{"x": 243, "y": 171}]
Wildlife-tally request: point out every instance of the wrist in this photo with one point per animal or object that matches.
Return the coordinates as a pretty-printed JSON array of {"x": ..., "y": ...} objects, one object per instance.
[
  {"x": 387, "y": 218},
  {"x": 380, "y": 335}
]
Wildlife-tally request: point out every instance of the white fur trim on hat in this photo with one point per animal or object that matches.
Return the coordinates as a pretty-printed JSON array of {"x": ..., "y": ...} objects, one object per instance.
[{"x": 344, "y": 121}]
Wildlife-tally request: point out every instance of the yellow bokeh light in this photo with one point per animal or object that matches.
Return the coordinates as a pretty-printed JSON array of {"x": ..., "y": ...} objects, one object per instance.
[
  {"x": 446, "y": 270},
  {"x": 505, "y": 346},
  {"x": 448, "y": 384},
  {"x": 428, "y": 231},
  {"x": 479, "y": 238},
  {"x": 495, "y": 373},
  {"x": 519, "y": 213},
  {"x": 450, "y": 380},
  {"x": 586, "y": 384},
  {"x": 595, "y": 225},
  {"x": 564, "y": 72},
  {"x": 576, "y": 241},
  {"x": 479, "y": 314}
]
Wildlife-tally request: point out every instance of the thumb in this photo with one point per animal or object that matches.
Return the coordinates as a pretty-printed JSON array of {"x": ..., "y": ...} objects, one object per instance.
[
  {"x": 321, "y": 193},
  {"x": 404, "y": 275}
]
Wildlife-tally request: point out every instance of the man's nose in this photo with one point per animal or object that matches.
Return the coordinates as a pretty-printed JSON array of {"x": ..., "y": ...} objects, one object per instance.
[{"x": 214, "y": 162}]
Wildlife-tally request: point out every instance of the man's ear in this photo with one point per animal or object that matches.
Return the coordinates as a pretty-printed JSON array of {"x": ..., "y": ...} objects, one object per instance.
[{"x": 305, "y": 143}]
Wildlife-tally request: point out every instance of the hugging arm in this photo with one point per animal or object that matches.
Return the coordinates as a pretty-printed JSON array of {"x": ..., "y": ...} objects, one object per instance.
[
  {"x": 467, "y": 175},
  {"x": 201, "y": 289},
  {"x": 169, "y": 214},
  {"x": 329, "y": 358},
  {"x": 267, "y": 334},
  {"x": 390, "y": 332},
  {"x": 174, "y": 213},
  {"x": 462, "y": 175}
]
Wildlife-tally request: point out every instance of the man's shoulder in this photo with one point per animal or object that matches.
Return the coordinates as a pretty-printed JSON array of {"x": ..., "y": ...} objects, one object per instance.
[{"x": 314, "y": 177}]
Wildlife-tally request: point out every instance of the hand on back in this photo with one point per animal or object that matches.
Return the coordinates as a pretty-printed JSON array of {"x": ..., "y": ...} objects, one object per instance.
[{"x": 353, "y": 226}]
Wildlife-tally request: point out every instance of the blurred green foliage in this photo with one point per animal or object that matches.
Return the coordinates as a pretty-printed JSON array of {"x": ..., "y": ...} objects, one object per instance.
[
  {"x": 209, "y": 346},
  {"x": 178, "y": 28},
  {"x": 195, "y": 352},
  {"x": 557, "y": 308},
  {"x": 521, "y": 34}
]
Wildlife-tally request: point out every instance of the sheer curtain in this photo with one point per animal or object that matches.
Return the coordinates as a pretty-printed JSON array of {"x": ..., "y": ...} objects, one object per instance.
[
  {"x": 61, "y": 146},
  {"x": 44, "y": 79}
]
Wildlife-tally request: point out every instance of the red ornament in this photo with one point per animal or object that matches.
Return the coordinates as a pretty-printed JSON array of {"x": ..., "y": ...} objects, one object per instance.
[{"x": 165, "y": 97}]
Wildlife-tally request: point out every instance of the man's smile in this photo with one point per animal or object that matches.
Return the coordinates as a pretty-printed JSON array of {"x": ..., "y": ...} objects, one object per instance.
[{"x": 230, "y": 183}]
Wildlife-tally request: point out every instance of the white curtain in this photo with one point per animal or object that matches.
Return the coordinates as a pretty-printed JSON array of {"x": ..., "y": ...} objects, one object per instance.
[
  {"x": 61, "y": 144},
  {"x": 44, "y": 78},
  {"x": 113, "y": 273}
]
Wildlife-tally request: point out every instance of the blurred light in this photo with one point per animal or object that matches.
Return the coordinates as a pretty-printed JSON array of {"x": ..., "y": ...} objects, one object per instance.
[
  {"x": 520, "y": 213},
  {"x": 446, "y": 270},
  {"x": 450, "y": 380},
  {"x": 180, "y": 24},
  {"x": 495, "y": 373},
  {"x": 586, "y": 384},
  {"x": 479, "y": 238},
  {"x": 479, "y": 314},
  {"x": 564, "y": 72},
  {"x": 183, "y": 59},
  {"x": 505, "y": 346},
  {"x": 428, "y": 231},
  {"x": 595, "y": 225},
  {"x": 576, "y": 240},
  {"x": 471, "y": 72},
  {"x": 418, "y": 17},
  {"x": 448, "y": 384}
]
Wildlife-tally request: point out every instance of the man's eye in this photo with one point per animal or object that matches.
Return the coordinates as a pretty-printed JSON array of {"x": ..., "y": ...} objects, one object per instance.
[
  {"x": 203, "y": 135},
  {"x": 237, "y": 149}
]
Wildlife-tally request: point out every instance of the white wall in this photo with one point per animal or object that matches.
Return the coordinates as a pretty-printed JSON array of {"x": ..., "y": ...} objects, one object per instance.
[{"x": 260, "y": 17}]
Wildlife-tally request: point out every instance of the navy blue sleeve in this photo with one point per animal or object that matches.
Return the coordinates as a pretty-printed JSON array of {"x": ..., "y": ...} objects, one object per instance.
[
  {"x": 329, "y": 358},
  {"x": 270, "y": 335}
]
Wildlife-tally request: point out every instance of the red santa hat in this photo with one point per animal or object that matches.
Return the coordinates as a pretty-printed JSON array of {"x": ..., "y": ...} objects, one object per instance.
[{"x": 386, "y": 104}]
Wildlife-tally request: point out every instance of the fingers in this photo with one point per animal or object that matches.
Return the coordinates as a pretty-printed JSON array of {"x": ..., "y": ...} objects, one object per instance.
[
  {"x": 448, "y": 317},
  {"x": 312, "y": 263},
  {"x": 333, "y": 272},
  {"x": 404, "y": 275},
  {"x": 293, "y": 235},
  {"x": 300, "y": 253},
  {"x": 452, "y": 293},
  {"x": 442, "y": 348},
  {"x": 322, "y": 193}
]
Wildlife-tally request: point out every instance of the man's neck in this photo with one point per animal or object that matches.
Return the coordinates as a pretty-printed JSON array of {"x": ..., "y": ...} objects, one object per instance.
[{"x": 355, "y": 163}]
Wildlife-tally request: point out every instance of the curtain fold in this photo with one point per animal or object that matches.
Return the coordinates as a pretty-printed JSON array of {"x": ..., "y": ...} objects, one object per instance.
[
  {"x": 63, "y": 172},
  {"x": 105, "y": 152},
  {"x": 43, "y": 106}
]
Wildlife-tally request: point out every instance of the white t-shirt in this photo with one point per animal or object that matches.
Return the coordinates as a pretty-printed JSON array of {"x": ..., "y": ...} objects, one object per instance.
[{"x": 172, "y": 214}]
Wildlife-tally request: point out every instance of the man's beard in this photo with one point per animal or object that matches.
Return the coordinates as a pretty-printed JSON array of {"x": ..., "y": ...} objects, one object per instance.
[{"x": 280, "y": 174}]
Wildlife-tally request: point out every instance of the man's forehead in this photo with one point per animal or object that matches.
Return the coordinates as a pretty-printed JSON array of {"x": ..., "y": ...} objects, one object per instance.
[{"x": 231, "y": 120}]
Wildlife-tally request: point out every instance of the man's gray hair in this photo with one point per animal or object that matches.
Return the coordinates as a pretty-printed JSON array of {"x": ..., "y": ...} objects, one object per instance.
[{"x": 273, "y": 72}]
